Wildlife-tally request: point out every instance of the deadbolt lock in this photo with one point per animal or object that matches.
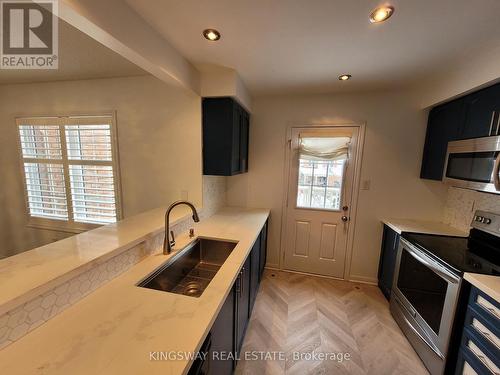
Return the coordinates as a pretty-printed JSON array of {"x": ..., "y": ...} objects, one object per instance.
[{"x": 345, "y": 208}]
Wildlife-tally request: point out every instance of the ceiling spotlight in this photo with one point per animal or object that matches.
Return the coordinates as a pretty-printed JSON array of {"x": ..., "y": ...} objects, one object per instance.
[
  {"x": 211, "y": 34},
  {"x": 344, "y": 77},
  {"x": 381, "y": 14}
]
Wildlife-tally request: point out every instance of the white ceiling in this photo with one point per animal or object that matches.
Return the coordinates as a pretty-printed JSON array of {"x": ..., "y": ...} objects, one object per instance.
[
  {"x": 303, "y": 45},
  {"x": 80, "y": 57}
]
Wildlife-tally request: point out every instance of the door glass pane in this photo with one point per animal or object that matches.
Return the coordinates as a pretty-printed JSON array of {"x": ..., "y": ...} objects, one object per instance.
[
  {"x": 304, "y": 196},
  {"x": 320, "y": 183},
  {"x": 424, "y": 289}
]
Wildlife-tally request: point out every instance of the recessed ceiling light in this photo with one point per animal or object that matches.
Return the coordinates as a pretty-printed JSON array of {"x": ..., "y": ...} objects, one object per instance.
[
  {"x": 381, "y": 14},
  {"x": 211, "y": 34},
  {"x": 344, "y": 77}
]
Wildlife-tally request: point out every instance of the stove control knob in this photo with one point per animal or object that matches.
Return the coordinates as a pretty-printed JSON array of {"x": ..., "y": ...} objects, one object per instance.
[
  {"x": 487, "y": 221},
  {"x": 479, "y": 219}
]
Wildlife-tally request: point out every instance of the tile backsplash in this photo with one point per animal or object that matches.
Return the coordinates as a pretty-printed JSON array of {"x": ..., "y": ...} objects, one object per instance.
[
  {"x": 19, "y": 321},
  {"x": 462, "y": 203}
]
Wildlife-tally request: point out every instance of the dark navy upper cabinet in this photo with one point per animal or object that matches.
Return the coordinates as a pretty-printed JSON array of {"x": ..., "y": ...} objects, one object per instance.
[
  {"x": 225, "y": 137},
  {"x": 443, "y": 126},
  {"x": 472, "y": 116},
  {"x": 482, "y": 110}
]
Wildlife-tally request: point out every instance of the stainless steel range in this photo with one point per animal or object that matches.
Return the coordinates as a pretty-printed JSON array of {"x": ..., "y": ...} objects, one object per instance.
[{"x": 428, "y": 280}]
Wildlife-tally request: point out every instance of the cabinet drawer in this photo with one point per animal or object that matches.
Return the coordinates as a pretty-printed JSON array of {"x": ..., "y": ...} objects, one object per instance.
[
  {"x": 480, "y": 344},
  {"x": 486, "y": 305},
  {"x": 479, "y": 321},
  {"x": 469, "y": 364},
  {"x": 481, "y": 353},
  {"x": 468, "y": 369}
]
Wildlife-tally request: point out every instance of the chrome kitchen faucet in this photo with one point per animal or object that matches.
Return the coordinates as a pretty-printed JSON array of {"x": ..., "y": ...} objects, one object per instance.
[{"x": 167, "y": 243}]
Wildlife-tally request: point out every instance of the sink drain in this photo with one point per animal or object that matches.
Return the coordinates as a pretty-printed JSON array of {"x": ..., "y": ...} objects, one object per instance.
[{"x": 192, "y": 288}]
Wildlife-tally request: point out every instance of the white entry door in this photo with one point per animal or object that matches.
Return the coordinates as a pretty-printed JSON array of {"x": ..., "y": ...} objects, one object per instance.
[{"x": 320, "y": 183}]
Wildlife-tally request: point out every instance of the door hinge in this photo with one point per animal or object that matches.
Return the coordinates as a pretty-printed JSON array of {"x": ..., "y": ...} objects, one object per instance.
[{"x": 289, "y": 144}]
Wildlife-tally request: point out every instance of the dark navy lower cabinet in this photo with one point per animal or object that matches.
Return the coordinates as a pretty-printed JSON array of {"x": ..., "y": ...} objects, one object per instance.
[
  {"x": 479, "y": 352},
  {"x": 222, "y": 339},
  {"x": 223, "y": 344},
  {"x": 387, "y": 263},
  {"x": 254, "y": 273},
  {"x": 242, "y": 304},
  {"x": 263, "y": 249}
]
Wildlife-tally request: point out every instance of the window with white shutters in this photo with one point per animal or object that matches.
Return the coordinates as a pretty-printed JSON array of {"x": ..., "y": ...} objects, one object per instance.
[{"x": 70, "y": 170}]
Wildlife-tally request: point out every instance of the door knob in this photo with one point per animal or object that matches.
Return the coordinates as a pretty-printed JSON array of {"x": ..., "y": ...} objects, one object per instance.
[{"x": 344, "y": 218}]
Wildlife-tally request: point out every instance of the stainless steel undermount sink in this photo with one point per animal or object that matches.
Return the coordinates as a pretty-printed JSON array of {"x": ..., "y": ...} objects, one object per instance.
[{"x": 190, "y": 271}]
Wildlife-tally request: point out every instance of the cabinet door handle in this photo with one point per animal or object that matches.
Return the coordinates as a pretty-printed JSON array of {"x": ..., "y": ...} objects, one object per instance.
[
  {"x": 491, "y": 123},
  {"x": 498, "y": 124},
  {"x": 241, "y": 281},
  {"x": 238, "y": 289}
]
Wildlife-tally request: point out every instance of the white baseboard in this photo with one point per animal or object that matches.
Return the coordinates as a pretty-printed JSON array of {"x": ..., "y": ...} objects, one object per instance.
[{"x": 363, "y": 279}]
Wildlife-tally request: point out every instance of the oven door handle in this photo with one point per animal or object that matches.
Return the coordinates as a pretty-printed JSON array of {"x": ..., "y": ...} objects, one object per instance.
[
  {"x": 419, "y": 335},
  {"x": 434, "y": 267}
]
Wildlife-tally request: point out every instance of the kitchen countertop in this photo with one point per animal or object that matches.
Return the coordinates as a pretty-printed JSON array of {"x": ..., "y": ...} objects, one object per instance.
[
  {"x": 422, "y": 226},
  {"x": 114, "y": 329},
  {"x": 486, "y": 283},
  {"x": 31, "y": 273}
]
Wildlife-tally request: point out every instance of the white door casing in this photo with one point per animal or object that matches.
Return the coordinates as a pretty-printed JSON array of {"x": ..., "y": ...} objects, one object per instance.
[{"x": 316, "y": 239}]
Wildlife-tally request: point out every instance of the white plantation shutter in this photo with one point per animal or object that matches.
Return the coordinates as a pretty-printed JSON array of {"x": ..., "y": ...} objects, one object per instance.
[
  {"x": 70, "y": 167},
  {"x": 46, "y": 190}
]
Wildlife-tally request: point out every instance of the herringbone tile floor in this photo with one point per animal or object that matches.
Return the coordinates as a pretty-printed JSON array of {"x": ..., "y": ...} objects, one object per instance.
[{"x": 298, "y": 315}]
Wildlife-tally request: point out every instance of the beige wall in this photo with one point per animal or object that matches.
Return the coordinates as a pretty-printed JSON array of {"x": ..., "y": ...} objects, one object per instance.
[
  {"x": 395, "y": 131},
  {"x": 159, "y": 140}
]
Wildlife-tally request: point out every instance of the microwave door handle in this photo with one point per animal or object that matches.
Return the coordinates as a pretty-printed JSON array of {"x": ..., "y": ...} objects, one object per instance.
[
  {"x": 441, "y": 272},
  {"x": 496, "y": 170}
]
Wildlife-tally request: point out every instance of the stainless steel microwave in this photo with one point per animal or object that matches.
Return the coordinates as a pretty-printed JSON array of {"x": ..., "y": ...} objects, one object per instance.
[{"x": 474, "y": 164}]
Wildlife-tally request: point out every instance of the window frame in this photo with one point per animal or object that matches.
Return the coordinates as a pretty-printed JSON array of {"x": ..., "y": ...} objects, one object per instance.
[
  {"x": 69, "y": 225},
  {"x": 297, "y": 185}
]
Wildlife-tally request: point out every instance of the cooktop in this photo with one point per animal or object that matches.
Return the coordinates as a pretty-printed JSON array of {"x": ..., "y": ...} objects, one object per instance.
[{"x": 478, "y": 253}]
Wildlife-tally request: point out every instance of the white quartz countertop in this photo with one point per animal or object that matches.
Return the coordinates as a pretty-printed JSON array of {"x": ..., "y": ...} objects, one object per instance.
[
  {"x": 114, "y": 329},
  {"x": 422, "y": 226},
  {"x": 31, "y": 273},
  {"x": 487, "y": 283}
]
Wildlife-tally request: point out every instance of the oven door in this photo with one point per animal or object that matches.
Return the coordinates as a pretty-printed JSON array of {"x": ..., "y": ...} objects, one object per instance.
[
  {"x": 426, "y": 293},
  {"x": 474, "y": 164}
]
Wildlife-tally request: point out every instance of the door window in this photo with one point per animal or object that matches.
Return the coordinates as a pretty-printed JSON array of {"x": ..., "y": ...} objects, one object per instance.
[{"x": 320, "y": 184}]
